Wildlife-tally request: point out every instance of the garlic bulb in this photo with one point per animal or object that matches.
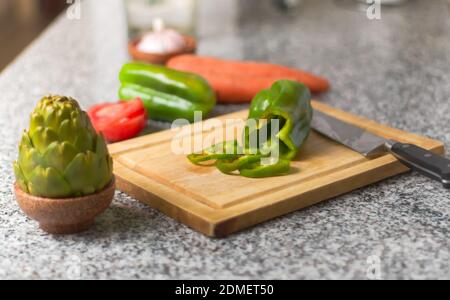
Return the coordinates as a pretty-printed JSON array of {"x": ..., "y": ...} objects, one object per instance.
[{"x": 161, "y": 40}]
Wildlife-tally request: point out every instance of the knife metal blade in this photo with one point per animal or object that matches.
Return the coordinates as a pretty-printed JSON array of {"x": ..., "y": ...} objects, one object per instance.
[
  {"x": 370, "y": 145},
  {"x": 356, "y": 138}
]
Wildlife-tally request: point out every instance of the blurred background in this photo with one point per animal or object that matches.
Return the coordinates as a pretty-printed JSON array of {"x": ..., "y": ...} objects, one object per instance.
[{"x": 21, "y": 21}]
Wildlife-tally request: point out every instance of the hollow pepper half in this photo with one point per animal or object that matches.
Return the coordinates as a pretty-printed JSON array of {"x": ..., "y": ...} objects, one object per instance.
[
  {"x": 167, "y": 94},
  {"x": 289, "y": 103}
]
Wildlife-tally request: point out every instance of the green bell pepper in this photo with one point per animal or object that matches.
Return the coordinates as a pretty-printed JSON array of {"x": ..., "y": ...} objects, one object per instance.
[
  {"x": 288, "y": 102},
  {"x": 167, "y": 94}
]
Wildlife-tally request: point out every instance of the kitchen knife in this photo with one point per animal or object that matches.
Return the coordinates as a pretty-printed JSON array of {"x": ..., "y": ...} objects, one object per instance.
[{"x": 371, "y": 145}]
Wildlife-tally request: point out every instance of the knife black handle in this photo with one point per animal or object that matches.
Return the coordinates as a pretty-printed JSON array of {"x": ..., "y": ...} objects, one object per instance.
[{"x": 423, "y": 161}]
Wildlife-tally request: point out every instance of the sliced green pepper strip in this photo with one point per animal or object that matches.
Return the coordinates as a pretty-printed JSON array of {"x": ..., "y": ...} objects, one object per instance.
[
  {"x": 223, "y": 151},
  {"x": 167, "y": 94},
  {"x": 289, "y": 103},
  {"x": 228, "y": 166}
]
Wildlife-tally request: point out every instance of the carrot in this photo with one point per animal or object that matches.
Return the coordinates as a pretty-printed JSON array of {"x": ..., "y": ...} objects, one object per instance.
[{"x": 236, "y": 81}]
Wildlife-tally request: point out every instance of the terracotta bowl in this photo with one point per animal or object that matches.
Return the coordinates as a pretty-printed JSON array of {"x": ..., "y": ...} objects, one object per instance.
[
  {"x": 191, "y": 47},
  {"x": 65, "y": 216}
]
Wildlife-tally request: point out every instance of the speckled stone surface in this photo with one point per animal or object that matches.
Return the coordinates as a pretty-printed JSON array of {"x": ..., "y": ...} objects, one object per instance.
[{"x": 395, "y": 71}]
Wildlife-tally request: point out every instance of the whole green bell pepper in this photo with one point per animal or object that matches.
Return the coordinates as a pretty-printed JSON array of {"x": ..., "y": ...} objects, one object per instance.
[
  {"x": 167, "y": 94},
  {"x": 289, "y": 103}
]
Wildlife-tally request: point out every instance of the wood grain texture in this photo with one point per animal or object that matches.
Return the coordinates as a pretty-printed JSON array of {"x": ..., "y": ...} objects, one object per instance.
[{"x": 217, "y": 204}]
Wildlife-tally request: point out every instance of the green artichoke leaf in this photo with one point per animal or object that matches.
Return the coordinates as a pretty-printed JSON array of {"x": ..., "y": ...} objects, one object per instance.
[
  {"x": 104, "y": 169},
  {"x": 76, "y": 120},
  {"x": 67, "y": 132},
  {"x": 64, "y": 113},
  {"x": 21, "y": 180},
  {"x": 59, "y": 155},
  {"x": 82, "y": 173},
  {"x": 47, "y": 182},
  {"x": 105, "y": 163},
  {"x": 51, "y": 118},
  {"x": 29, "y": 159},
  {"x": 84, "y": 140},
  {"x": 100, "y": 146},
  {"x": 36, "y": 121},
  {"x": 43, "y": 137},
  {"x": 86, "y": 121},
  {"x": 25, "y": 141}
]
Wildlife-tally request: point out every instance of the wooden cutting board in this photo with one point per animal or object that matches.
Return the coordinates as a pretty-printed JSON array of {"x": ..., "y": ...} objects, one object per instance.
[{"x": 217, "y": 205}]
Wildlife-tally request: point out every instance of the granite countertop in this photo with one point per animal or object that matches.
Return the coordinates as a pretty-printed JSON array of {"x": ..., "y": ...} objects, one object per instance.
[{"x": 395, "y": 70}]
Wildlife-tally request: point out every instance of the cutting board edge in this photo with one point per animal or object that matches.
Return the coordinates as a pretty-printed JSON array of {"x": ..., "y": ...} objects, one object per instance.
[
  {"x": 222, "y": 222},
  {"x": 249, "y": 217},
  {"x": 179, "y": 210},
  {"x": 309, "y": 198},
  {"x": 371, "y": 176},
  {"x": 219, "y": 224}
]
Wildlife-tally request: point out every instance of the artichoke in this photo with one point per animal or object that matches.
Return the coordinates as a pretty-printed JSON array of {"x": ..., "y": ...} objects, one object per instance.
[{"x": 61, "y": 155}]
